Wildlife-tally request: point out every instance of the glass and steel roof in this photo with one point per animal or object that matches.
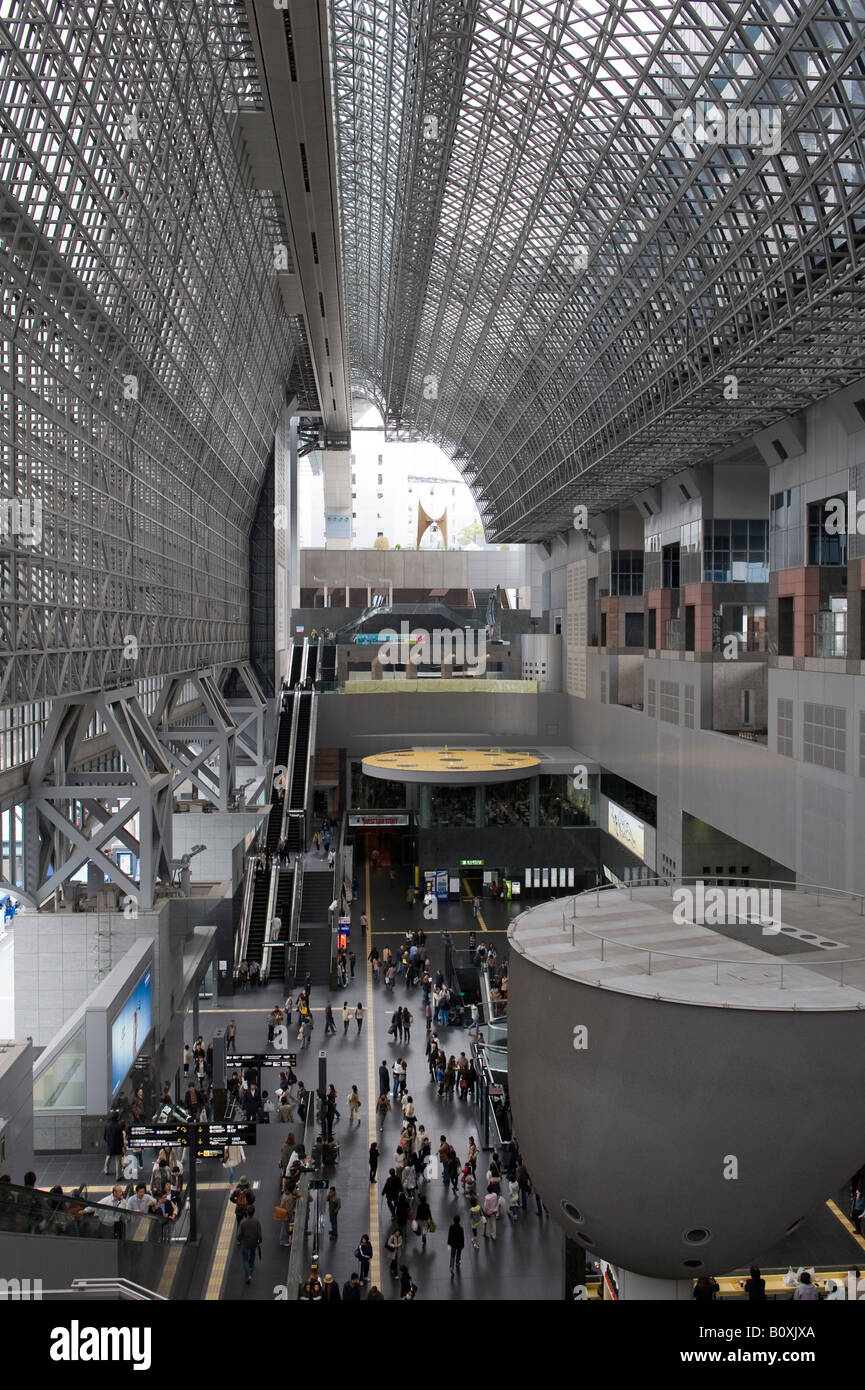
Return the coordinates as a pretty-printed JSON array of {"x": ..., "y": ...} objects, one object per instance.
[{"x": 587, "y": 245}]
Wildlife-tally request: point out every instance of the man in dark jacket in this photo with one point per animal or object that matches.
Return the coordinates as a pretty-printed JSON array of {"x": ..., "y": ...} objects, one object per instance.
[
  {"x": 392, "y": 1190},
  {"x": 252, "y": 1103},
  {"x": 115, "y": 1142},
  {"x": 384, "y": 1079},
  {"x": 402, "y": 1210},
  {"x": 331, "y": 1290},
  {"x": 456, "y": 1241},
  {"x": 249, "y": 1239},
  {"x": 351, "y": 1290}
]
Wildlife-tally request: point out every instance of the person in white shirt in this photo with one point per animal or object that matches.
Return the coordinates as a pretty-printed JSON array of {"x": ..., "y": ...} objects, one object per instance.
[
  {"x": 109, "y": 1212},
  {"x": 142, "y": 1201}
]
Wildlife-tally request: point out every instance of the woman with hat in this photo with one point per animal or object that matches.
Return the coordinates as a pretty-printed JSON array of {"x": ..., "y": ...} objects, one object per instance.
[{"x": 331, "y": 1293}]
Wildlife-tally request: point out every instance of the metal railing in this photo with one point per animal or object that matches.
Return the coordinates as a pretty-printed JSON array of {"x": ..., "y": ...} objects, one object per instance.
[
  {"x": 655, "y": 959},
  {"x": 294, "y": 919},
  {"x": 271, "y": 909},
  {"x": 241, "y": 941},
  {"x": 304, "y": 1228}
]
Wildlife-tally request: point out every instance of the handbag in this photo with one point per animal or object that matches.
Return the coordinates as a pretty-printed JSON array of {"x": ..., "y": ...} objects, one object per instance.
[
  {"x": 415, "y": 1225},
  {"x": 280, "y": 1214},
  {"x": 431, "y": 1225}
]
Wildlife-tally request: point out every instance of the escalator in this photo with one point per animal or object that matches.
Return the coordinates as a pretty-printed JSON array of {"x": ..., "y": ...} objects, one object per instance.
[
  {"x": 312, "y": 662},
  {"x": 327, "y": 670},
  {"x": 296, "y": 664},
  {"x": 294, "y": 833},
  {"x": 258, "y": 916},
  {"x": 314, "y": 926},
  {"x": 274, "y": 825},
  {"x": 301, "y": 748},
  {"x": 283, "y": 737},
  {"x": 284, "y": 886}
]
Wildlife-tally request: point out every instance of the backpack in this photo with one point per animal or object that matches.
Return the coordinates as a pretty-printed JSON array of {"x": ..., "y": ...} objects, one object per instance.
[{"x": 242, "y": 1200}]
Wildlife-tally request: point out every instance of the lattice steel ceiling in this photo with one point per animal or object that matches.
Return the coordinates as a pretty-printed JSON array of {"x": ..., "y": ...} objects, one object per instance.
[
  {"x": 144, "y": 348},
  {"x": 490, "y": 151}
]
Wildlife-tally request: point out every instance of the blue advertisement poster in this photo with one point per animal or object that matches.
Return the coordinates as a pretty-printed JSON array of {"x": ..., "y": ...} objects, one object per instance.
[
  {"x": 129, "y": 1030},
  {"x": 442, "y": 885}
]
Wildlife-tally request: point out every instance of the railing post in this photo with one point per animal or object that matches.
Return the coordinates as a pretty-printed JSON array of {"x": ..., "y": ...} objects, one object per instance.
[
  {"x": 573, "y": 942},
  {"x": 603, "y": 943},
  {"x": 650, "y": 962},
  {"x": 782, "y": 977}
]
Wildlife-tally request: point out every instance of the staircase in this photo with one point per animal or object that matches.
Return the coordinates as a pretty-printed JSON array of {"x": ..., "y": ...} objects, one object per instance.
[{"x": 316, "y": 899}]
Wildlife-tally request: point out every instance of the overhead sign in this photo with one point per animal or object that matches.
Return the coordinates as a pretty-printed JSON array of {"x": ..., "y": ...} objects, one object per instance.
[
  {"x": 158, "y": 1136},
  {"x": 376, "y": 819},
  {"x": 261, "y": 1059},
  {"x": 627, "y": 829},
  {"x": 472, "y": 863},
  {"x": 210, "y": 1140}
]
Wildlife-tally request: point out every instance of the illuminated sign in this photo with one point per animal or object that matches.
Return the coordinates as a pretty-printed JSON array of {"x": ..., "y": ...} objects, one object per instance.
[
  {"x": 472, "y": 863},
  {"x": 359, "y": 819},
  {"x": 128, "y": 1031},
  {"x": 627, "y": 829}
]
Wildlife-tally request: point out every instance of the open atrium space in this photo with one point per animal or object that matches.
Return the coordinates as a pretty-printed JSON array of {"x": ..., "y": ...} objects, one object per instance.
[{"x": 432, "y": 670}]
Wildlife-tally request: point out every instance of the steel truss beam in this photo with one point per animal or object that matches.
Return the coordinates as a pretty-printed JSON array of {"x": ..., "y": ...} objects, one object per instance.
[
  {"x": 561, "y": 291},
  {"x": 72, "y": 813},
  {"x": 202, "y": 752}
]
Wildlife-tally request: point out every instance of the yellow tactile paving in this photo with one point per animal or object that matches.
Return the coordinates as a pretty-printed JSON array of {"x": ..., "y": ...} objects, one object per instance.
[
  {"x": 222, "y": 1251},
  {"x": 372, "y": 1094}
]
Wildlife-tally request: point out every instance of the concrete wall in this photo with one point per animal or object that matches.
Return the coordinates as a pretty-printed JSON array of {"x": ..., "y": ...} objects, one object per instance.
[
  {"x": 650, "y": 1112},
  {"x": 61, "y": 957},
  {"x": 221, "y": 831},
  {"x": 16, "y": 1109},
  {"x": 370, "y": 722}
]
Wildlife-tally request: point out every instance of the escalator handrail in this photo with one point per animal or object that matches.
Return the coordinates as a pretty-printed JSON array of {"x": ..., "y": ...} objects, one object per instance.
[
  {"x": 242, "y": 939},
  {"x": 271, "y": 908},
  {"x": 310, "y": 764},
  {"x": 296, "y": 700},
  {"x": 294, "y": 915}
]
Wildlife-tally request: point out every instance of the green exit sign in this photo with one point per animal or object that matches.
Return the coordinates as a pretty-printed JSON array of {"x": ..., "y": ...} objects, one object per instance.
[{"x": 472, "y": 863}]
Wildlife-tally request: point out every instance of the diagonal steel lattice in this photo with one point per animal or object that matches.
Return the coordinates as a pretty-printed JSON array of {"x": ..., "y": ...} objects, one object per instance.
[
  {"x": 588, "y": 245},
  {"x": 145, "y": 353}
]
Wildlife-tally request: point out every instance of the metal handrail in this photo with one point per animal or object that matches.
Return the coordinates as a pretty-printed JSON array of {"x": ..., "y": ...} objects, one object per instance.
[
  {"x": 296, "y": 698},
  {"x": 310, "y": 764},
  {"x": 271, "y": 908},
  {"x": 294, "y": 917},
  {"x": 783, "y": 963},
  {"x": 242, "y": 939},
  {"x": 713, "y": 880}
]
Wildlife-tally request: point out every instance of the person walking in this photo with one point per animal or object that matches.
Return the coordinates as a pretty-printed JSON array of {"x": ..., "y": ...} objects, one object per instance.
[
  {"x": 373, "y": 1161},
  {"x": 363, "y": 1254},
  {"x": 477, "y": 1220},
  {"x": 391, "y": 1190},
  {"x": 249, "y": 1240},
  {"x": 358, "y": 1014},
  {"x": 231, "y": 1036},
  {"x": 354, "y": 1103},
  {"x": 334, "y": 1202},
  {"x": 393, "y": 1245},
  {"x": 329, "y": 1025},
  {"x": 407, "y": 1021},
  {"x": 346, "y": 1019},
  {"x": 383, "y": 1078},
  {"x": 456, "y": 1241},
  {"x": 382, "y": 1109},
  {"x": 423, "y": 1217},
  {"x": 491, "y": 1212},
  {"x": 351, "y": 1290},
  {"x": 114, "y": 1136}
]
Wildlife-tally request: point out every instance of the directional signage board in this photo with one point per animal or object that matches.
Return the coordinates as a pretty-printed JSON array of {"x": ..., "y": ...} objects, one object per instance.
[
  {"x": 210, "y": 1140},
  {"x": 157, "y": 1136},
  {"x": 261, "y": 1059}
]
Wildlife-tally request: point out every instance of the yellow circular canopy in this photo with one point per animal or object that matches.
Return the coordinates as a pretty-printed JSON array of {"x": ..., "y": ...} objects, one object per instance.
[{"x": 454, "y": 765}]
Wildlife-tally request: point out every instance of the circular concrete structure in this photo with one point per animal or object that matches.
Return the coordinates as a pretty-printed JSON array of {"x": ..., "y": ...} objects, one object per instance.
[
  {"x": 683, "y": 1098},
  {"x": 451, "y": 766}
]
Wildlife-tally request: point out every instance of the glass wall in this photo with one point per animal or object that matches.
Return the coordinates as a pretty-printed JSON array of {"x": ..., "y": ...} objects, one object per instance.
[
  {"x": 563, "y": 803},
  {"x": 508, "y": 803},
  {"x": 736, "y": 552},
  {"x": 453, "y": 805},
  {"x": 61, "y": 1086},
  {"x": 373, "y": 793}
]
